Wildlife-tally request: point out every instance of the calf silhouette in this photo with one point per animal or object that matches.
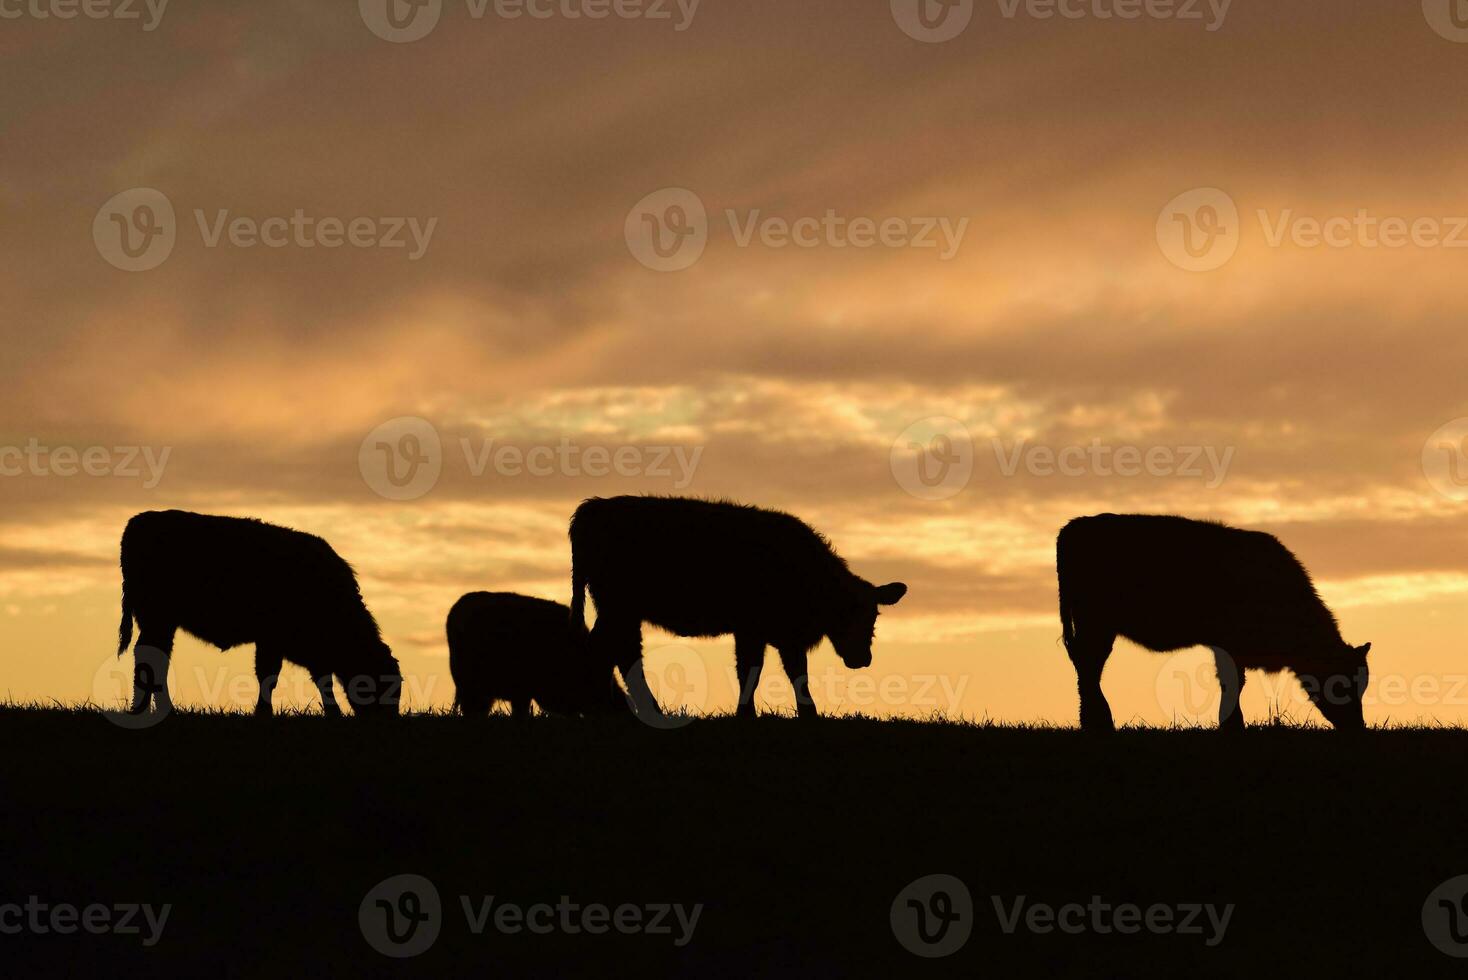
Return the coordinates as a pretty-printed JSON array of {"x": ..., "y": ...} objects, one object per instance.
[
  {"x": 707, "y": 568},
  {"x": 515, "y": 648},
  {"x": 1168, "y": 582},
  {"x": 229, "y": 581}
]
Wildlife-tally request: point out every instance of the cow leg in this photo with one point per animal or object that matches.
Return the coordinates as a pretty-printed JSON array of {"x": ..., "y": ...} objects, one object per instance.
[
  {"x": 795, "y": 669},
  {"x": 1088, "y": 651},
  {"x": 520, "y": 709},
  {"x": 749, "y": 662},
  {"x": 1231, "y": 690},
  {"x": 268, "y": 664},
  {"x": 329, "y": 706},
  {"x": 474, "y": 705},
  {"x": 150, "y": 666},
  {"x": 621, "y": 640}
]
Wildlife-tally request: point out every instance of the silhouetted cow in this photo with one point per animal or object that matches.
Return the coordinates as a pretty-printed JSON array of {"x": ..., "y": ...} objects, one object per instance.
[
  {"x": 1168, "y": 582},
  {"x": 515, "y": 648},
  {"x": 230, "y": 580},
  {"x": 707, "y": 568}
]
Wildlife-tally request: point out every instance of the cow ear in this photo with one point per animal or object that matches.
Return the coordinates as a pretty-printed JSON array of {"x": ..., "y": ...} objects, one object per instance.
[
  {"x": 1364, "y": 649},
  {"x": 889, "y": 594}
]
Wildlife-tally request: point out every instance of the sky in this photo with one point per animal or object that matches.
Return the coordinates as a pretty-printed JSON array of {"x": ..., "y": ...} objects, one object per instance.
[{"x": 936, "y": 280}]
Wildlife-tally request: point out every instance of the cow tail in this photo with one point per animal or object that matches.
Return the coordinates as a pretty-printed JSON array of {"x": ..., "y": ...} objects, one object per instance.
[
  {"x": 1062, "y": 575},
  {"x": 125, "y": 628}
]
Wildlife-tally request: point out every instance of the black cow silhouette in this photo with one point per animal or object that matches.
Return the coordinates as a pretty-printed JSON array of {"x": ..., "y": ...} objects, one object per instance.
[
  {"x": 516, "y": 648},
  {"x": 709, "y": 568},
  {"x": 229, "y": 581},
  {"x": 1169, "y": 582}
]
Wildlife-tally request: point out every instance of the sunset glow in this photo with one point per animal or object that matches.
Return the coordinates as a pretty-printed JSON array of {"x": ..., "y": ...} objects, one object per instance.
[{"x": 1305, "y": 390}]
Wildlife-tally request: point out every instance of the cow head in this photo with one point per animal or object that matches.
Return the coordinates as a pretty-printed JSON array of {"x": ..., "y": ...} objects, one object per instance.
[
  {"x": 854, "y": 620},
  {"x": 374, "y": 684},
  {"x": 1337, "y": 686}
]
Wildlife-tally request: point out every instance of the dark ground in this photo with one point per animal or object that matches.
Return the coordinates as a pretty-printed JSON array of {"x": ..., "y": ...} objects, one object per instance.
[{"x": 266, "y": 836}]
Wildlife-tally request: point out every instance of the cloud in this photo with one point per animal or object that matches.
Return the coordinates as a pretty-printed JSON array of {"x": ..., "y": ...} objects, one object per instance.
[{"x": 527, "y": 323}]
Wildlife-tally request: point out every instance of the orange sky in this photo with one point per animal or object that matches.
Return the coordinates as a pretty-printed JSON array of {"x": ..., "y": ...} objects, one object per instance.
[{"x": 1062, "y": 317}]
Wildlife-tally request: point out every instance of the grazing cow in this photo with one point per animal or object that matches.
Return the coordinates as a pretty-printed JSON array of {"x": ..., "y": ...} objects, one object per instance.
[
  {"x": 230, "y": 580},
  {"x": 507, "y": 647},
  {"x": 1167, "y": 583},
  {"x": 707, "y": 568}
]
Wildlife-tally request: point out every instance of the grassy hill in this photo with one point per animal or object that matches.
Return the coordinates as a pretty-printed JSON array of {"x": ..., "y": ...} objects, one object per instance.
[{"x": 266, "y": 836}]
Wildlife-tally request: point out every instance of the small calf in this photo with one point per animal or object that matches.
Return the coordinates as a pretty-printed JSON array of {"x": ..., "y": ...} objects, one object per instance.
[{"x": 515, "y": 648}]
